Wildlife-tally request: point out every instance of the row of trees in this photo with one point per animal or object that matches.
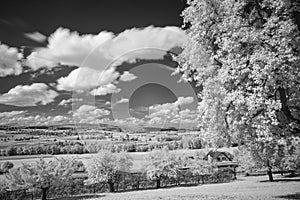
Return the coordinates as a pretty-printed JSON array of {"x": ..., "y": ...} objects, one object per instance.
[
  {"x": 41, "y": 175},
  {"x": 245, "y": 57},
  {"x": 284, "y": 160},
  {"x": 160, "y": 164},
  {"x": 93, "y": 147},
  {"x": 111, "y": 169},
  {"x": 189, "y": 142},
  {"x": 52, "y": 148}
]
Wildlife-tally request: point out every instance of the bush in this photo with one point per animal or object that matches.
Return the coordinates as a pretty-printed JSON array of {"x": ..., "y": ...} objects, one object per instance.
[{"x": 5, "y": 167}]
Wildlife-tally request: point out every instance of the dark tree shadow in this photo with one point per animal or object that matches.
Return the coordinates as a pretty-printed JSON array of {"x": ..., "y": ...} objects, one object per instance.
[
  {"x": 84, "y": 196},
  {"x": 289, "y": 196},
  {"x": 282, "y": 180}
]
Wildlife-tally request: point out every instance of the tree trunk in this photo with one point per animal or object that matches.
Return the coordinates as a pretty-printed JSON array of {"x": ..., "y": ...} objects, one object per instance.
[
  {"x": 270, "y": 174},
  {"x": 44, "y": 193},
  {"x": 111, "y": 187},
  {"x": 157, "y": 183},
  {"x": 234, "y": 173}
]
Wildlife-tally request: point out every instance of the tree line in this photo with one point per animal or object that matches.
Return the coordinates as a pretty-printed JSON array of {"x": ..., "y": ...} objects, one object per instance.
[
  {"x": 109, "y": 171},
  {"x": 78, "y": 147}
]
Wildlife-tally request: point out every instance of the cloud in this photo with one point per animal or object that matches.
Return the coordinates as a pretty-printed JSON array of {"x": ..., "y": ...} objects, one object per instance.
[
  {"x": 9, "y": 61},
  {"x": 60, "y": 118},
  {"x": 123, "y": 100},
  {"x": 168, "y": 108},
  {"x": 11, "y": 114},
  {"x": 127, "y": 76},
  {"x": 130, "y": 121},
  {"x": 66, "y": 102},
  {"x": 28, "y": 95},
  {"x": 24, "y": 118},
  {"x": 70, "y": 48},
  {"x": 100, "y": 54},
  {"x": 105, "y": 89},
  {"x": 36, "y": 36},
  {"x": 184, "y": 100},
  {"x": 89, "y": 114},
  {"x": 169, "y": 112},
  {"x": 86, "y": 78}
]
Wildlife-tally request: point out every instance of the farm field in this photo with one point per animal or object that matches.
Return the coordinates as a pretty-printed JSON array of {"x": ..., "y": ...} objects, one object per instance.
[{"x": 245, "y": 188}]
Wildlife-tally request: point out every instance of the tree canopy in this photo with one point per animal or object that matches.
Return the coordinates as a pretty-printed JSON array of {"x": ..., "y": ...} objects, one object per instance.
[
  {"x": 41, "y": 175},
  {"x": 106, "y": 166},
  {"x": 245, "y": 57}
]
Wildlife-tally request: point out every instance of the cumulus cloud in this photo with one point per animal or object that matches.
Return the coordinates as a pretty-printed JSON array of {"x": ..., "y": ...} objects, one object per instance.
[
  {"x": 169, "y": 112},
  {"x": 100, "y": 54},
  {"x": 123, "y": 100},
  {"x": 11, "y": 114},
  {"x": 89, "y": 114},
  {"x": 28, "y": 95},
  {"x": 24, "y": 118},
  {"x": 60, "y": 118},
  {"x": 127, "y": 76},
  {"x": 66, "y": 102},
  {"x": 168, "y": 108},
  {"x": 130, "y": 121},
  {"x": 184, "y": 100},
  {"x": 86, "y": 78},
  {"x": 9, "y": 61},
  {"x": 70, "y": 48},
  {"x": 105, "y": 89},
  {"x": 36, "y": 36}
]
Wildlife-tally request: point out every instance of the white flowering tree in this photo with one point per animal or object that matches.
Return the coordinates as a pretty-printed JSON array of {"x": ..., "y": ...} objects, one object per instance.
[
  {"x": 41, "y": 175},
  {"x": 244, "y": 55},
  {"x": 106, "y": 166},
  {"x": 161, "y": 164}
]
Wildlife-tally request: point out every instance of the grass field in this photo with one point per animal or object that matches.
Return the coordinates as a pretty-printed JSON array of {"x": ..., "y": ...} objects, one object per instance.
[{"x": 245, "y": 188}]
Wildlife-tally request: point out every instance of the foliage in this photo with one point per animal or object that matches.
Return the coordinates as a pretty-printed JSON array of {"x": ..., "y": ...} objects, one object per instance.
[
  {"x": 5, "y": 167},
  {"x": 161, "y": 164},
  {"x": 246, "y": 162},
  {"x": 292, "y": 161},
  {"x": 54, "y": 149},
  {"x": 245, "y": 56},
  {"x": 106, "y": 167},
  {"x": 41, "y": 175},
  {"x": 199, "y": 166}
]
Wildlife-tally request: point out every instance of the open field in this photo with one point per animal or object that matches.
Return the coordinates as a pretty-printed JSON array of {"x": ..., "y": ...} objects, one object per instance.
[
  {"x": 139, "y": 158},
  {"x": 245, "y": 188}
]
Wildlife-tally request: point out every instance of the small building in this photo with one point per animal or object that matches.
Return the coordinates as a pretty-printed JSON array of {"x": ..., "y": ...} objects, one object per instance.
[
  {"x": 219, "y": 156},
  {"x": 223, "y": 160}
]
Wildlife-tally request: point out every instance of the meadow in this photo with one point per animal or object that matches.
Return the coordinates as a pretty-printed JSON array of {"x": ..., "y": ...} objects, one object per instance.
[{"x": 244, "y": 188}]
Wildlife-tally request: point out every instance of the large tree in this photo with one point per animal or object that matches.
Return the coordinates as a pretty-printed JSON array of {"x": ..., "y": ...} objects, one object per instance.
[{"x": 245, "y": 57}]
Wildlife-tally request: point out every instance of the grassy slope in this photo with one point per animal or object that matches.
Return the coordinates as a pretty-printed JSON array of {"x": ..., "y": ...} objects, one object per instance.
[{"x": 245, "y": 188}]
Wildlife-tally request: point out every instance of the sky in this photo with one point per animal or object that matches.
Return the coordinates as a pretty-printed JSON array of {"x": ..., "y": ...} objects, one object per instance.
[{"x": 88, "y": 61}]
